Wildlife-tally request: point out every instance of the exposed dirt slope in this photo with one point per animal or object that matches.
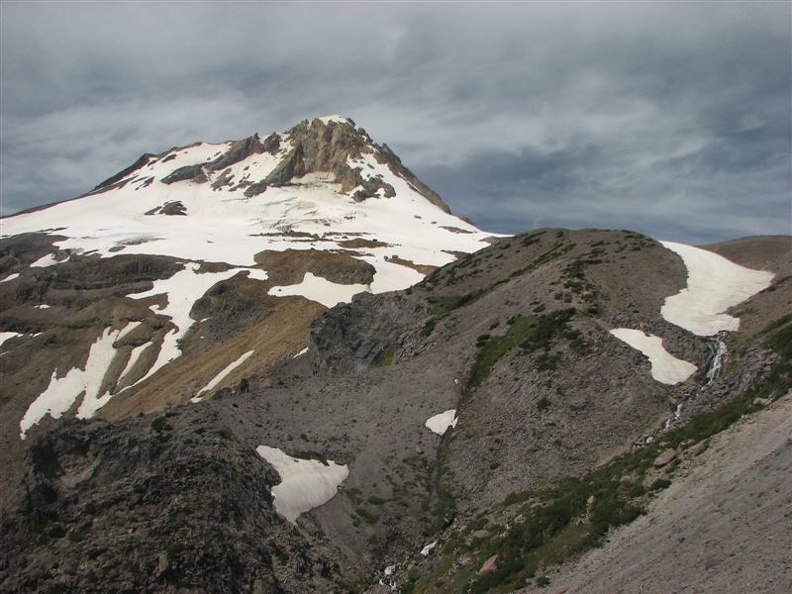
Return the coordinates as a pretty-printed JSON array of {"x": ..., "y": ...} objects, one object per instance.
[{"x": 724, "y": 526}]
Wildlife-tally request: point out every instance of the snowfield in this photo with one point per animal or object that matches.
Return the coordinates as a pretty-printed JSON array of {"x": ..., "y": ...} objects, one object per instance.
[
  {"x": 63, "y": 392},
  {"x": 714, "y": 285},
  {"x": 320, "y": 290},
  {"x": 8, "y": 336},
  {"x": 220, "y": 224},
  {"x": 305, "y": 484},
  {"x": 666, "y": 368}
]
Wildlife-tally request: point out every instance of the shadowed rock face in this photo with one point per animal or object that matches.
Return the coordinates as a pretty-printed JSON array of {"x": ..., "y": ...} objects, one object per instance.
[{"x": 203, "y": 518}]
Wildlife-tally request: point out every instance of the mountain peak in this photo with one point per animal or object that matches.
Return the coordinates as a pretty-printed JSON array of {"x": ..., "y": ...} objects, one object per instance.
[
  {"x": 335, "y": 118},
  {"x": 332, "y": 148}
]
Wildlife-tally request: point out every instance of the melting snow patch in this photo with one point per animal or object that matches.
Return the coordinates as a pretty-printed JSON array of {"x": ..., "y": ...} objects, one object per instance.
[
  {"x": 183, "y": 289},
  {"x": 428, "y": 548},
  {"x": 302, "y": 352},
  {"x": 714, "y": 285},
  {"x": 320, "y": 290},
  {"x": 62, "y": 392},
  {"x": 44, "y": 261},
  {"x": 666, "y": 368},
  {"x": 305, "y": 484},
  {"x": 441, "y": 423},
  {"x": 10, "y": 277},
  {"x": 221, "y": 376},
  {"x": 8, "y": 336}
]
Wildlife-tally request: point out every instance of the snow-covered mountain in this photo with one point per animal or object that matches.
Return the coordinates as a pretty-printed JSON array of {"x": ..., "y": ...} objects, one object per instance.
[
  {"x": 322, "y": 185},
  {"x": 321, "y": 191},
  {"x": 281, "y": 365}
]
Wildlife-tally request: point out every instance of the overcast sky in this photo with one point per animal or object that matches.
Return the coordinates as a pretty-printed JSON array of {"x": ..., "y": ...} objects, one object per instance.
[{"x": 672, "y": 119}]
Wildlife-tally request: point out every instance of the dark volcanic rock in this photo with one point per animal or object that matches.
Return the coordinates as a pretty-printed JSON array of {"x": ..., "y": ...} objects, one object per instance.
[
  {"x": 361, "y": 334},
  {"x": 121, "y": 175},
  {"x": 193, "y": 173},
  {"x": 155, "y": 504}
]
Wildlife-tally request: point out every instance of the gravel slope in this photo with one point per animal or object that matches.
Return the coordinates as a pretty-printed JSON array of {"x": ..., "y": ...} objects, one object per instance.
[{"x": 724, "y": 526}]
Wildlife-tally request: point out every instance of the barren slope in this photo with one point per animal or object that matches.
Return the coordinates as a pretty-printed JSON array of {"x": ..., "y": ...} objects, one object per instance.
[{"x": 724, "y": 525}]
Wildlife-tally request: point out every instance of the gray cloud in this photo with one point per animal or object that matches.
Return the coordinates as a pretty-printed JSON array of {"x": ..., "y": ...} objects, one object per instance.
[{"x": 669, "y": 118}]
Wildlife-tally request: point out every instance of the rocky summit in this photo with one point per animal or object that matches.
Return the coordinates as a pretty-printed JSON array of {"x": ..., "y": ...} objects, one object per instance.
[{"x": 282, "y": 365}]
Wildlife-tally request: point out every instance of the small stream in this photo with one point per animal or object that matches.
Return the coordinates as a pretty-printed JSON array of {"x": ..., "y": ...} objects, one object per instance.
[{"x": 719, "y": 351}]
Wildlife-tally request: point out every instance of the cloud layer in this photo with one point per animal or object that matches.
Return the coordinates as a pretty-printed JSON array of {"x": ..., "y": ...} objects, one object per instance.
[{"x": 670, "y": 118}]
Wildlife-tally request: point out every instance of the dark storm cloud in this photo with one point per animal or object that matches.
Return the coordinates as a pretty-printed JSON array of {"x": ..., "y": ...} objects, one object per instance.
[{"x": 670, "y": 118}]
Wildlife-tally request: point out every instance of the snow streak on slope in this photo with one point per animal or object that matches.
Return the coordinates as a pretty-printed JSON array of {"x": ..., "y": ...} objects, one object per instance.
[
  {"x": 62, "y": 392},
  {"x": 183, "y": 289},
  {"x": 666, "y": 368},
  {"x": 221, "y": 376},
  {"x": 8, "y": 336},
  {"x": 714, "y": 285},
  {"x": 305, "y": 484}
]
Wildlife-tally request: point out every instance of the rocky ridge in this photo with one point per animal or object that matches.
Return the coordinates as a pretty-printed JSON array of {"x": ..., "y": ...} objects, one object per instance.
[
  {"x": 562, "y": 430},
  {"x": 514, "y": 337}
]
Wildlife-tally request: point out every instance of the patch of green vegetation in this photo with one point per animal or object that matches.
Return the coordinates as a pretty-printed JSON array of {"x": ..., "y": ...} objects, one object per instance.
[
  {"x": 366, "y": 516},
  {"x": 530, "y": 333},
  {"x": 442, "y": 305},
  {"x": 429, "y": 327},
  {"x": 160, "y": 425},
  {"x": 492, "y": 349},
  {"x": 355, "y": 496},
  {"x": 433, "y": 482},
  {"x": 387, "y": 358},
  {"x": 174, "y": 548},
  {"x": 545, "y": 328},
  {"x": 576, "y": 513},
  {"x": 80, "y": 324}
]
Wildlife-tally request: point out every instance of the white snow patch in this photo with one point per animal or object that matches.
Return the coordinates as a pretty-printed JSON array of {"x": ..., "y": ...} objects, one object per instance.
[
  {"x": 714, "y": 285},
  {"x": 62, "y": 392},
  {"x": 666, "y": 368},
  {"x": 42, "y": 306},
  {"x": 320, "y": 290},
  {"x": 221, "y": 376},
  {"x": 333, "y": 118},
  {"x": 428, "y": 548},
  {"x": 134, "y": 355},
  {"x": 305, "y": 484},
  {"x": 183, "y": 289},
  {"x": 8, "y": 336},
  {"x": 44, "y": 261},
  {"x": 302, "y": 352},
  {"x": 10, "y": 277},
  {"x": 441, "y": 423}
]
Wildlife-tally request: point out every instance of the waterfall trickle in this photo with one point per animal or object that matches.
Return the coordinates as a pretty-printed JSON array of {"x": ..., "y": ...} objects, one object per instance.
[{"x": 719, "y": 352}]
